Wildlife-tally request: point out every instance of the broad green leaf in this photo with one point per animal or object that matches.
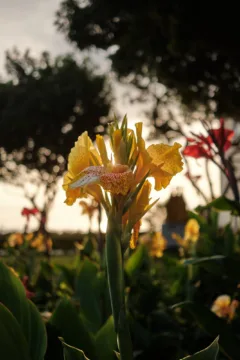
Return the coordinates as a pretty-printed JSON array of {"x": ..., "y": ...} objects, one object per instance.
[
  {"x": 13, "y": 344},
  {"x": 86, "y": 287},
  {"x": 222, "y": 204},
  {"x": 71, "y": 326},
  {"x": 210, "y": 353},
  {"x": 106, "y": 341},
  {"x": 72, "y": 353},
  {"x": 227, "y": 266},
  {"x": 13, "y": 296},
  {"x": 196, "y": 261},
  {"x": 214, "y": 326},
  {"x": 136, "y": 260},
  {"x": 38, "y": 343}
]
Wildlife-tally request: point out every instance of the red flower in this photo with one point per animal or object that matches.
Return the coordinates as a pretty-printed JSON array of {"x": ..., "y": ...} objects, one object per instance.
[
  {"x": 29, "y": 294},
  {"x": 197, "y": 151},
  {"x": 198, "y": 148},
  {"x": 28, "y": 212},
  {"x": 221, "y": 137},
  {"x": 202, "y": 146}
]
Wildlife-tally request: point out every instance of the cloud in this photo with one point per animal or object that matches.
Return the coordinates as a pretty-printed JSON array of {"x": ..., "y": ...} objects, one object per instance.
[{"x": 29, "y": 24}]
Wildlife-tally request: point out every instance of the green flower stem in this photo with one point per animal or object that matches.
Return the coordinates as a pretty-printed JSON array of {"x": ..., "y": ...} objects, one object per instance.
[{"x": 114, "y": 259}]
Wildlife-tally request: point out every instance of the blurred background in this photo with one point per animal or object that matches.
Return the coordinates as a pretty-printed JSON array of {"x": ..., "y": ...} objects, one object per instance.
[{"x": 69, "y": 66}]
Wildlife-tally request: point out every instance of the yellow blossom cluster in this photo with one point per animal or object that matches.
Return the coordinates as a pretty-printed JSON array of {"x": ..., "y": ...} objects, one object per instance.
[
  {"x": 119, "y": 179},
  {"x": 37, "y": 241}
]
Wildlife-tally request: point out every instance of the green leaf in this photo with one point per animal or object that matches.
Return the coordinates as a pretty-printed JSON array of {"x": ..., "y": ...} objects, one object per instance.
[
  {"x": 210, "y": 353},
  {"x": 13, "y": 296},
  {"x": 88, "y": 294},
  {"x": 214, "y": 326},
  {"x": 196, "y": 261},
  {"x": 106, "y": 341},
  {"x": 227, "y": 266},
  {"x": 13, "y": 344},
  {"x": 222, "y": 204},
  {"x": 71, "y": 326},
  {"x": 38, "y": 343},
  {"x": 72, "y": 353},
  {"x": 136, "y": 260}
]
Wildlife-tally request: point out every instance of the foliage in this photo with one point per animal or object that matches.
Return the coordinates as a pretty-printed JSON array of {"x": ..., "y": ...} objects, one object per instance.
[
  {"x": 46, "y": 102},
  {"x": 166, "y": 43},
  {"x": 49, "y": 101}
]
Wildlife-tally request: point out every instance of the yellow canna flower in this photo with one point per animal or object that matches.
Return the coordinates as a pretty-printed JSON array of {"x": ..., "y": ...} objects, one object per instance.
[
  {"x": 37, "y": 242},
  {"x": 15, "y": 239},
  {"x": 155, "y": 244},
  {"x": 192, "y": 230},
  {"x": 224, "y": 307},
  {"x": 191, "y": 234},
  {"x": 122, "y": 174},
  {"x": 159, "y": 244},
  {"x": 42, "y": 242}
]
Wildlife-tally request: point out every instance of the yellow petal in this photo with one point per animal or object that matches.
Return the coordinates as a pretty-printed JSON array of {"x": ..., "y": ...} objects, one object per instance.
[
  {"x": 116, "y": 140},
  {"x": 95, "y": 191},
  {"x": 118, "y": 180},
  {"x": 102, "y": 149},
  {"x": 140, "y": 141},
  {"x": 166, "y": 162},
  {"x": 82, "y": 155},
  {"x": 71, "y": 194},
  {"x": 90, "y": 175},
  {"x": 222, "y": 301},
  {"x": 166, "y": 156},
  {"x": 79, "y": 157},
  {"x": 135, "y": 234},
  {"x": 144, "y": 159},
  {"x": 139, "y": 206}
]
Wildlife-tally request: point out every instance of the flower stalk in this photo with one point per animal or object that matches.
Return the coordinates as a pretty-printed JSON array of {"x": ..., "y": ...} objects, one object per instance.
[{"x": 114, "y": 260}]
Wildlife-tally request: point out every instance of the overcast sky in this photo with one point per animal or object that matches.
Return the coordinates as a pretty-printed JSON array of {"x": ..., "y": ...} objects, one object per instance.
[{"x": 28, "y": 24}]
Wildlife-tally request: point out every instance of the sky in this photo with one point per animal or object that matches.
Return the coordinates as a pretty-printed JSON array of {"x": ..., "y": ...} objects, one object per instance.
[{"x": 28, "y": 24}]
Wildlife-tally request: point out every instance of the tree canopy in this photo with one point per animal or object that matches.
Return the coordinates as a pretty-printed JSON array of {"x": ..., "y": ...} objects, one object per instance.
[
  {"x": 190, "y": 47},
  {"x": 46, "y": 105}
]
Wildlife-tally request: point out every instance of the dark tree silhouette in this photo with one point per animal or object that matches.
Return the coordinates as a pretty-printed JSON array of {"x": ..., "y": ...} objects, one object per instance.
[
  {"x": 44, "y": 107},
  {"x": 190, "y": 47}
]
